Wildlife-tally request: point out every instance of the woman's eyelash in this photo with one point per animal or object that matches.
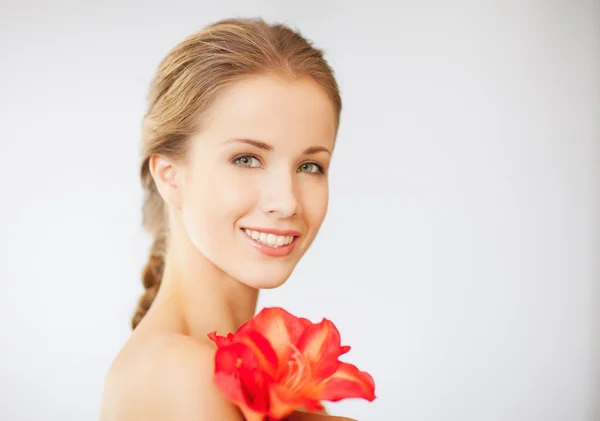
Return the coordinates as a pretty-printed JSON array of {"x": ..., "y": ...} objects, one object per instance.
[
  {"x": 320, "y": 168},
  {"x": 250, "y": 157}
]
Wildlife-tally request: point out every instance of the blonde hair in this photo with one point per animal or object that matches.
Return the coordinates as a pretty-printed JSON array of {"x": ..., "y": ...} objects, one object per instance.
[{"x": 187, "y": 81}]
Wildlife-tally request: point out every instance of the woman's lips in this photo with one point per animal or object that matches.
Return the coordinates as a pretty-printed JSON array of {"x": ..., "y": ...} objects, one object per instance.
[{"x": 280, "y": 251}]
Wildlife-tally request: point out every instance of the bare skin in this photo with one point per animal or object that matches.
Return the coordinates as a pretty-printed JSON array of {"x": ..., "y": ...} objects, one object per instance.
[{"x": 212, "y": 273}]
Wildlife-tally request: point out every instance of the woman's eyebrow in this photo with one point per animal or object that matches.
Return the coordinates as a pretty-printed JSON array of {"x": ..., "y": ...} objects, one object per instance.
[
  {"x": 257, "y": 143},
  {"x": 266, "y": 147},
  {"x": 316, "y": 149}
]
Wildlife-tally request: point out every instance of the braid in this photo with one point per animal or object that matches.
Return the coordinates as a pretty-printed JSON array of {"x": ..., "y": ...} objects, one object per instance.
[{"x": 151, "y": 278}]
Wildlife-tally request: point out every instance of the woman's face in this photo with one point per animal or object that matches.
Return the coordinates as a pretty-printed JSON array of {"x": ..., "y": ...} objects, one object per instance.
[{"x": 256, "y": 183}]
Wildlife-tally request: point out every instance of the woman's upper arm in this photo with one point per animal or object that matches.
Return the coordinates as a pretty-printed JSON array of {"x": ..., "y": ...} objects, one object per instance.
[{"x": 182, "y": 388}]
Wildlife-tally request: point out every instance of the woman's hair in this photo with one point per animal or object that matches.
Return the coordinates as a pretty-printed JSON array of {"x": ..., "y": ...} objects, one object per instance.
[{"x": 187, "y": 81}]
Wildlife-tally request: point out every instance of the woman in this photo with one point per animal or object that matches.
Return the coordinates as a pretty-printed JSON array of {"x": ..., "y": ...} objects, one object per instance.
[{"x": 237, "y": 143}]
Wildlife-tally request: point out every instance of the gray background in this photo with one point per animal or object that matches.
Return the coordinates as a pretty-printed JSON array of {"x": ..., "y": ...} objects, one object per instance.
[{"x": 460, "y": 254}]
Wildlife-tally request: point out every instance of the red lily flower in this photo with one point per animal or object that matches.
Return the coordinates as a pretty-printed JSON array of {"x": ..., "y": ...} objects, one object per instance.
[{"x": 277, "y": 363}]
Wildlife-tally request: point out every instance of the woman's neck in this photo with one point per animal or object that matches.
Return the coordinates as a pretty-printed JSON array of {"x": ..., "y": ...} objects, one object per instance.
[{"x": 199, "y": 296}]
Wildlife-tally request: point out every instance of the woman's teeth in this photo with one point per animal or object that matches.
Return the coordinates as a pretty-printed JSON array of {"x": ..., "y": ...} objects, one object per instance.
[{"x": 271, "y": 240}]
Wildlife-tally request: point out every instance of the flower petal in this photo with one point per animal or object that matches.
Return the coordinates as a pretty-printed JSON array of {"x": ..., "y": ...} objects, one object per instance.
[
  {"x": 305, "y": 322},
  {"x": 284, "y": 402},
  {"x": 239, "y": 376},
  {"x": 250, "y": 415},
  {"x": 262, "y": 350},
  {"x": 344, "y": 349},
  {"x": 231, "y": 387},
  {"x": 347, "y": 382},
  {"x": 255, "y": 387},
  {"x": 320, "y": 344},
  {"x": 220, "y": 340},
  {"x": 278, "y": 327}
]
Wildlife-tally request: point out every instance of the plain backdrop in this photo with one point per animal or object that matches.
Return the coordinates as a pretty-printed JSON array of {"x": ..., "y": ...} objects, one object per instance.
[{"x": 460, "y": 254}]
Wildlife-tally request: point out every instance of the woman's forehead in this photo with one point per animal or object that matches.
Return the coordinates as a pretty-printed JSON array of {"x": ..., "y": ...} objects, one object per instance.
[{"x": 270, "y": 107}]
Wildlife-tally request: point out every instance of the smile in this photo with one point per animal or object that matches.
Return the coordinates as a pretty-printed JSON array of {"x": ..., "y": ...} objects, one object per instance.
[{"x": 271, "y": 240}]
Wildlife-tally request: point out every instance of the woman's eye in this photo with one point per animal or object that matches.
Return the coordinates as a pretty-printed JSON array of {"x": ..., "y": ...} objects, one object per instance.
[
  {"x": 310, "y": 167},
  {"x": 247, "y": 161}
]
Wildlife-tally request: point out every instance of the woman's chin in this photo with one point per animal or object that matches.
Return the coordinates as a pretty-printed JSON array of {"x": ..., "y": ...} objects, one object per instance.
[{"x": 264, "y": 282}]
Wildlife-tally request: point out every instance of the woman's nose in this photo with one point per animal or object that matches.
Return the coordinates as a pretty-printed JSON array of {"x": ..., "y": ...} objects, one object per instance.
[{"x": 280, "y": 197}]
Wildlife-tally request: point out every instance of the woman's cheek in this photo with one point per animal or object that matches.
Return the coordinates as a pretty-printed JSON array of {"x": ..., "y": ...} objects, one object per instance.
[
  {"x": 234, "y": 195},
  {"x": 316, "y": 202}
]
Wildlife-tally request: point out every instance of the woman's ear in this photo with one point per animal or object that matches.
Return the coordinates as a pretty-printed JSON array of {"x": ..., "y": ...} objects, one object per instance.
[{"x": 167, "y": 180}]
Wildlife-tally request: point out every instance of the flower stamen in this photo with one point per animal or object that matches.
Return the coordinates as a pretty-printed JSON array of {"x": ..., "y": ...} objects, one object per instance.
[{"x": 299, "y": 372}]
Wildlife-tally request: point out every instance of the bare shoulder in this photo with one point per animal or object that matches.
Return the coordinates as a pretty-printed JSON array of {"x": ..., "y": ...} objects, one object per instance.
[{"x": 165, "y": 378}]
